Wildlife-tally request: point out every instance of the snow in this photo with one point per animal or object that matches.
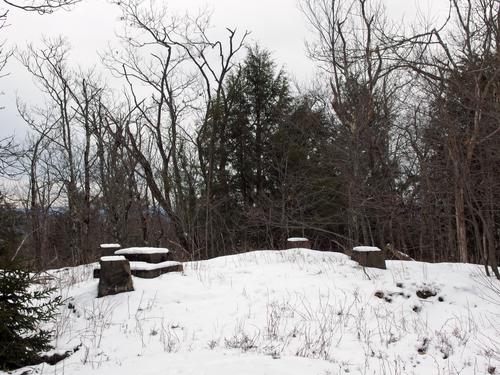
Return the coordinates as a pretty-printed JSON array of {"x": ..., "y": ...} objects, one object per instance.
[
  {"x": 142, "y": 250},
  {"x": 297, "y": 239},
  {"x": 110, "y": 245},
  {"x": 112, "y": 258},
  {"x": 290, "y": 312},
  {"x": 365, "y": 249},
  {"x": 144, "y": 266}
]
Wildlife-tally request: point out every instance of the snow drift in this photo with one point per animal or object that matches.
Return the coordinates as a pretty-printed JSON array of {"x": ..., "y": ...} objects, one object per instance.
[{"x": 282, "y": 312}]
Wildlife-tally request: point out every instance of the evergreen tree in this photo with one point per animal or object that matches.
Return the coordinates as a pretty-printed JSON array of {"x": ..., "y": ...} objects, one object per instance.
[
  {"x": 24, "y": 306},
  {"x": 259, "y": 104}
]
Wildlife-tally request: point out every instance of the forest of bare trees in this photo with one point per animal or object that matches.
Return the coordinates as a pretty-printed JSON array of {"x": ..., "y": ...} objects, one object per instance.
[{"x": 209, "y": 148}]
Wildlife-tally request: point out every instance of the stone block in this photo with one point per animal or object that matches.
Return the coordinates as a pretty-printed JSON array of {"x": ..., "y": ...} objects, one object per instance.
[
  {"x": 369, "y": 256},
  {"x": 150, "y": 270},
  {"x": 146, "y": 254},
  {"x": 114, "y": 276},
  {"x": 298, "y": 242},
  {"x": 108, "y": 249}
]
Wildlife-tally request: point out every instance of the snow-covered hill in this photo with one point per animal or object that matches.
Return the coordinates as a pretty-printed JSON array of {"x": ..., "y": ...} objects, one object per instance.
[{"x": 283, "y": 312}]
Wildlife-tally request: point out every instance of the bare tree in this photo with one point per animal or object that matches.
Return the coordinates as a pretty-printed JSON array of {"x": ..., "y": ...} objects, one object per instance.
[
  {"x": 40, "y": 6},
  {"x": 458, "y": 64},
  {"x": 163, "y": 54},
  {"x": 355, "y": 58},
  {"x": 74, "y": 98}
]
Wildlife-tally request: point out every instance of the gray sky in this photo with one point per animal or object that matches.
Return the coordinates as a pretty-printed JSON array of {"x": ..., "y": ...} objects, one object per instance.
[{"x": 277, "y": 25}]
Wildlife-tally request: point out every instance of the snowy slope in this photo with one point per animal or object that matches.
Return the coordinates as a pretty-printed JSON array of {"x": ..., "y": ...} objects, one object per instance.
[{"x": 282, "y": 312}]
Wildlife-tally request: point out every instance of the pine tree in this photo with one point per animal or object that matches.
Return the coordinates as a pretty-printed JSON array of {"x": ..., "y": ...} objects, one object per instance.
[
  {"x": 24, "y": 306},
  {"x": 260, "y": 102}
]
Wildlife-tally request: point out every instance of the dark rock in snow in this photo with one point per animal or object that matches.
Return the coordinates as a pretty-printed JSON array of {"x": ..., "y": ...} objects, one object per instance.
[
  {"x": 425, "y": 293},
  {"x": 55, "y": 358},
  {"x": 422, "y": 349},
  {"x": 379, "y": 294}
]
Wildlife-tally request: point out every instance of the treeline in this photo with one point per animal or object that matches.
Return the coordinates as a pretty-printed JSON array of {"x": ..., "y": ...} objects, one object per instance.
[{"x": 211, "y": 149}]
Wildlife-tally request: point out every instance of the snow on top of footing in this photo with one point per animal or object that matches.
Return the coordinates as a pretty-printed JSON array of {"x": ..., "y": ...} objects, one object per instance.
[
  {"x": 142, "y": 250},
  {"x": 144, "y": 266},
  {"x": 289, "y": 312},
  {"x": 297, "y": 239},
  {"x": 112, "y": 258},
  {"x": 363, "y": 249},
  {"x": 110, "y": 245}
]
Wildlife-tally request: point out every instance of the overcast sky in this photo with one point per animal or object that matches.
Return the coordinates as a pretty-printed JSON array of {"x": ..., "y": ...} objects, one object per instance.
[{"x": 276, "y": 24}]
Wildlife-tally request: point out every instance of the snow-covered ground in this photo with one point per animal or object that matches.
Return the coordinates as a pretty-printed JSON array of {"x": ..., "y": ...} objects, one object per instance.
[{"x": 293, "y": 312}]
